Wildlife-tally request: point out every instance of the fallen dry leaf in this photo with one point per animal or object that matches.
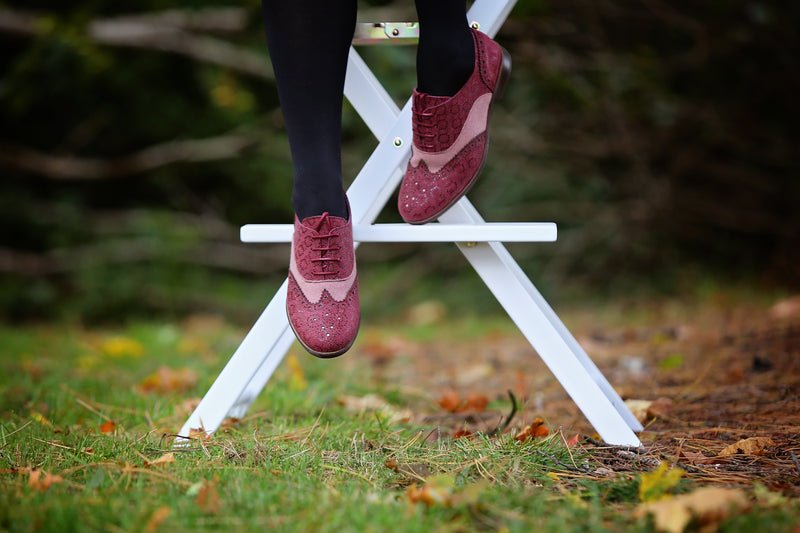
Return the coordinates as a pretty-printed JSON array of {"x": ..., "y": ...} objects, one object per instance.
[
  {"x": 166, "y": 379},
  {"x": 573, "y": 441},
  {"x": 122, "y": 347},
  {"x": 536, "y": 429},
  {"x": 208, "y": 499},
  {"x": 199, "y": 434},
  {"x": 428, "y": 495},
  {"x": 753, "y": 445},
  {"x": 706, "y": 505},
  {"x": 697, "y": 458},
  {"x": 462, "y": 433},
  {"x": 787, "y": 308},
  {"x": 156, "y": 519},
  {"x": 474, "y": 403},
  {"x": 373, "y": 402},
  {"x": 438, "y": 490},
  {"x": 41, "y": 480},
  {"x": 165, "y": 459},
  {"x": 449, "y": 401},
  {"x": 108, "y": 427},
  {"x": 391, "y": 464},
  {"x": 645, "y": 410},
  {"x": 639, "y": 408},
  {"x": 659, "y": 408}
]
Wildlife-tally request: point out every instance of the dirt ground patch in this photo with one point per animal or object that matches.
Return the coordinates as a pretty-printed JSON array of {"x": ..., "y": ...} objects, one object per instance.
[{"x": 719, "y": 374}]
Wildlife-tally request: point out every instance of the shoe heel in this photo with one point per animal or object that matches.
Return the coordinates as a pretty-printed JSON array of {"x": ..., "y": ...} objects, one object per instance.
[{"x": 505, "y": 74}]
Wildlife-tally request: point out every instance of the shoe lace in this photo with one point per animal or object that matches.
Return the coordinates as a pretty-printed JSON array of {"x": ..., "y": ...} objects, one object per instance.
[
  {"x": 424, "y": 129},
  {"x": 326, "y": 244}
]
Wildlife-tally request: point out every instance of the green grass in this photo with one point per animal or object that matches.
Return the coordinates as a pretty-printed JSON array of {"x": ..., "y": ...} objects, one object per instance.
[{"x": 300, "y": 461}]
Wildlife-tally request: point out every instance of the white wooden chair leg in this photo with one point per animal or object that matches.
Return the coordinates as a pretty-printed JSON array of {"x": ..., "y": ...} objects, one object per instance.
[{"x": 576, "y": 372}]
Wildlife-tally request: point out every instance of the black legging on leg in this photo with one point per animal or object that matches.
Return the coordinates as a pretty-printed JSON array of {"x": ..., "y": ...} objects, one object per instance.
[
  {"x": 309, "y": 42},
  {"x": 446, "y": 51}
]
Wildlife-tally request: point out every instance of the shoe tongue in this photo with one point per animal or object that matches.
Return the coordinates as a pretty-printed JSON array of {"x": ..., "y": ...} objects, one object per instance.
[{"x": 323, "y": 223}]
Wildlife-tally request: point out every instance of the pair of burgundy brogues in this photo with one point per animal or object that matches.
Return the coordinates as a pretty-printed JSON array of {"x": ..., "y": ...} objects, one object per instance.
[{"x": 451, "y": 138}]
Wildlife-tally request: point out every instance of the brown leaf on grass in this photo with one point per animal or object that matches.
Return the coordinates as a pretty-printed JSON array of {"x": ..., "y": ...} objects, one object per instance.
[
  {"x": 571, "y": 443},
  {"x": 442, "y": 490},
  {"x": 108, "y": 427},
  {"x": 753, "y": 445},
  {"x": 166, "y": 379},
  {"x": 450, "y": 401},
  {"x": 199, "y": 434},
  {"x": 165, "y": 459},
  {"x": 536, "y": 429},
  {"x": 462, "y": 433},
  {"x": 41, "y": 480},
  {"x": 707, "y": 506},
  {"x": 374, "y": 402},
  {"x": 428, "y": 495},
  {"x": 156, "y": 519},
  {"x": 208, "y": 499}
]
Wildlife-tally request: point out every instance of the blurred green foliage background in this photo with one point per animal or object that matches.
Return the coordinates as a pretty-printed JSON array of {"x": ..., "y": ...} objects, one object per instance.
[{"x": 138, "y": 135}]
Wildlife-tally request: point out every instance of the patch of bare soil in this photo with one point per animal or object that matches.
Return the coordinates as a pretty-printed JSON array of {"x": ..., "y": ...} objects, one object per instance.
[{"x": 724, "y": 385}]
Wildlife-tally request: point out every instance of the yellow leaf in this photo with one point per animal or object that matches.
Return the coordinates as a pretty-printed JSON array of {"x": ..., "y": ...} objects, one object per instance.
[
  {"x": 707, "y": 506},
  {"x": 122, "y": 347},
  {"x": 669, "y": 515},
  {"x": 39, "y": 417},
  {"x": 753, "y": 445},
  {"x": 656, "y": 483},
  {"x": 297, "y": 378}
]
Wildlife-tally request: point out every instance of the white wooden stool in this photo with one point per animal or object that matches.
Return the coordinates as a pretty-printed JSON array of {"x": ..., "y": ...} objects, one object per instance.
[{"x": 270, "y": 338}]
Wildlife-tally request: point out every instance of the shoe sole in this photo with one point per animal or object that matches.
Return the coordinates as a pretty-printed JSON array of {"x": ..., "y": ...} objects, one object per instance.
[
  {"x": 325, "y": 355},
  {"x": 497, "y": 94}
]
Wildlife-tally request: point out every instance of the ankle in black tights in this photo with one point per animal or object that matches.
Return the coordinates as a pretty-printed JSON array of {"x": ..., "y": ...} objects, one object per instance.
[{"x": 309, "y": 42}]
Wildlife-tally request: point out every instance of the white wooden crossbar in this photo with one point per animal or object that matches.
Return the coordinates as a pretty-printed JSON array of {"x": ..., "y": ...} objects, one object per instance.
[
  {"x": 490, "y": 232},
  {"x": 263, "y": 348}
]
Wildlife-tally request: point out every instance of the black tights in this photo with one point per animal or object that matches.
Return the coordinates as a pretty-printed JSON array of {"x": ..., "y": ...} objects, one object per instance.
[{"x": 309, "y": 42}]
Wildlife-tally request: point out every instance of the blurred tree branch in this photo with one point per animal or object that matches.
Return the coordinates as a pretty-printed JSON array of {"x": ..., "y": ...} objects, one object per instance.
[
  {"x": 168, "y": 31},
  {"x": 27, "y": 160}
]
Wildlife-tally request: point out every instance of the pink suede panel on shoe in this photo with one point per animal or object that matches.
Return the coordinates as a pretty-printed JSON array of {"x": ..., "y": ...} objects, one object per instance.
[
  {"x": 322, "y": 298},
  {"x": 339, "y": 275},
  {"x": 474, "y": 125}
]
